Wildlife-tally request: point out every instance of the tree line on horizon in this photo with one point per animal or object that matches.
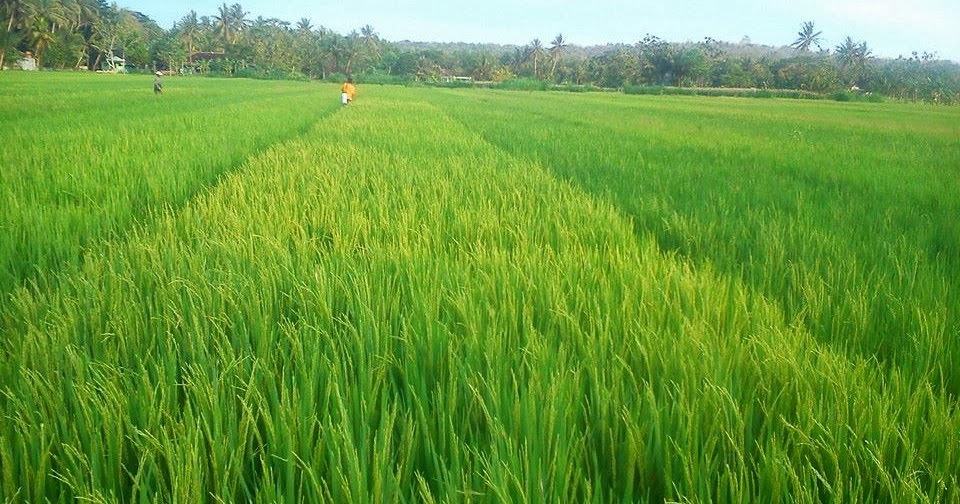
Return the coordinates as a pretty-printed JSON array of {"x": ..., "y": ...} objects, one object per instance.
[{"x": 94, "y": 35}]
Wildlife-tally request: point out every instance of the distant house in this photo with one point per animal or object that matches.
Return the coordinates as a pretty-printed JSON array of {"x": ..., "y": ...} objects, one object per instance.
[
  {"x": 456, "y": 78},
  {"x": 27, "y": 61},
  {"x": 114, "y": 64},
  {"x": 205, "y": 56},
  {"x": 117, "y": 64}
]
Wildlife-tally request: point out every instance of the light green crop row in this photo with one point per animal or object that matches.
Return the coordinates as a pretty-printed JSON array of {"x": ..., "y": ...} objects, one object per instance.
[{"x": 401, "y": 306}]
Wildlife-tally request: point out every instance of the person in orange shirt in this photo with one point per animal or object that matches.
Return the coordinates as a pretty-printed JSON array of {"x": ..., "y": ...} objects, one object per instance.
[{"x": 347, "y": 90}]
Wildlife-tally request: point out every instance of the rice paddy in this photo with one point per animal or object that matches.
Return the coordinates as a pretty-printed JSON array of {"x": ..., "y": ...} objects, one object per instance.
[{"x": 240, "y": 291}]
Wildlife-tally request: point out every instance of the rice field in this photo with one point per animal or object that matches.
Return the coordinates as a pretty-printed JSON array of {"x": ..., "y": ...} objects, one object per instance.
[{"x": 240, "y": 291}]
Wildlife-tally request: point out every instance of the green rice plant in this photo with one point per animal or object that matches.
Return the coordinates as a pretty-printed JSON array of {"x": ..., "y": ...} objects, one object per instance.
[
  {"x": 86, "y": 158},
  {"x": 822, "y": 214},
  {"x": 401, "y": 305}
]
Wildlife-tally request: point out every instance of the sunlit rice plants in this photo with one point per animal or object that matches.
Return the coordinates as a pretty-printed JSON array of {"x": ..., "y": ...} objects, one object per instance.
[{"x": 473, "y": 296}]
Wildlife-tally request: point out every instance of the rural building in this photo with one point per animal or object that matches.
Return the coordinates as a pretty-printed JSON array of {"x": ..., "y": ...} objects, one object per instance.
[{"x": 27, "y": 61}]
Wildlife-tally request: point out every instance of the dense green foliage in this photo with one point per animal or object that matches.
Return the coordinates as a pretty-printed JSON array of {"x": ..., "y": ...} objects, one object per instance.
[
  {"x": 92, "y": 34},
  {"x": 474, "y": 296}
]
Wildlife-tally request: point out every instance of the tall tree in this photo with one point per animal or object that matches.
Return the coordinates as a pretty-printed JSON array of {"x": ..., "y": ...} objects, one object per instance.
[
  {"x": 556, "y": 52},
  {"x": 846, "y": 53},
  {"x": 238, "y": 17},
  {"x": 535, "y": 52},
  {"x": 230, "y": 22},
  {"x": 14, "y": 12},
  {"x": 44, "y": 18},
  {"x": 852, "y": 57},
  {"x": 484, "y": 67},
  {"x": 308, "y": 48},
  {"x": 516, "y": 59},
  {"x": 86, "y": 22},
  {"x": 224, "y": 25},
  {"x": 119, "y": 31},
  {"x": 343, "y": 51},
  {"x": 304, "y": 26},
  {"x": 189, "y": 32},
  {"x": 370, "y": 46},
  {"x": 806, "y": 38}
]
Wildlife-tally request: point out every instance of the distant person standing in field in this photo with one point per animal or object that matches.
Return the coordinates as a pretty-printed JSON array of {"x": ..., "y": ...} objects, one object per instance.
[
  {"x": 347, "y": 90},
  {"x": 157, "y": 83}
]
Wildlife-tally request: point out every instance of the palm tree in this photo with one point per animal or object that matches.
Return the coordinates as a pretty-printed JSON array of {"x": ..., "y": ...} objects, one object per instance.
[
  {"x": 307, "y": 47},
  {"x": 13, "y": 10},
  {"x": 343, "y": 50},
  {"x": 853, "y": 57},
  {"x": 189, "y": 32},
  {"x": 371, "y": 43},
  {"x": 483, "y": 71},
  {"x": 84, "y": 13},
  {"x": 535, "y": 51},
  {"x": 516, "y": 59},
  {"x": 806, "y": 38},
  {"x": 43, "y": 19},
  {"x": 304, "y": 26},
  {"x": 556, "y": 52},
  {"x": 71, "y": 12},
  {"x": 231, "y": 21},
  {"x": 15, "y": 13},
  {"x": 41, "y": 36},
  {"x": 238, "y": 17},
  {"x": 224, "y": 24},
  {"x": 846, "y": 53},
  {"x": 85, "y": 20},
  {"x": 853, "y": 54},
  {"x": 51, "y": 12}
]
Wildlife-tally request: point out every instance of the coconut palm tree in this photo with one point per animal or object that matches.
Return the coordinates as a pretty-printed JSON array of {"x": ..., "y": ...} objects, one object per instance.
[
  {"x": 846, "y": 53},
  {"x": 853, "y": 54},
  {"x": 806, "y": 38},
  {"x": 189, "y": 33},
  {"x": 485, "y": 65},
  {"x": 307, "y": 47},
  {"x": 51, "y": 12},
  {"x": 535, "y": 52},
  {"x": 231, "y": 22},
  {"x": 852, "y": 57},
  {"x": 238, "y": 17},
  {"x": 71, "y": 12},
  {"x": 304, "y": 26},
  {"x": 85, "y": 20},
  {"x": 14, "y": 12},
  {"x": 516, "y": 59},
  {"x": 224, "y": 24},
  {"x": 556, "y": 52},
  {"x": 344, "y": 50},
  {"x": 371, "y": 44},
  {"x": 43, "y": 18}
]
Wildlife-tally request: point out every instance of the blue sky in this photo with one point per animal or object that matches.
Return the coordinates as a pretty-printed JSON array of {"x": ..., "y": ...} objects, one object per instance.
[{"x": 890, "y": 27}]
